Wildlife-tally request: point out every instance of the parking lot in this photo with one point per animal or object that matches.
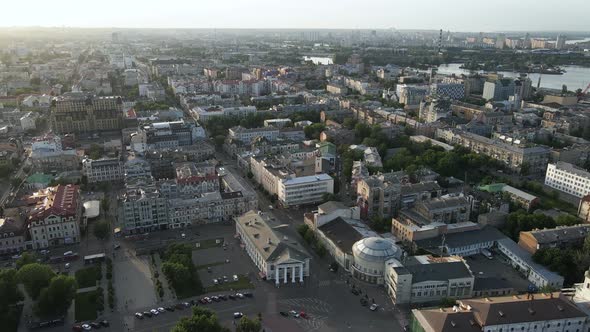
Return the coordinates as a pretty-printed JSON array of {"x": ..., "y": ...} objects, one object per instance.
[
  {"x": 325, "y": 297},
  {"x": 497, "y": 267}
]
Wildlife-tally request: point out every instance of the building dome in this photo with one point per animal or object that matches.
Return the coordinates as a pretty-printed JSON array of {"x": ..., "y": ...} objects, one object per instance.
[
  {"x": 375, "y": 249},
  {"x": 370, "y": 255}
]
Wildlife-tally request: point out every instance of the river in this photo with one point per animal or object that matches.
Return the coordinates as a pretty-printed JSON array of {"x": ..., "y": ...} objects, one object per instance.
[
  {"x": 575, "y": 77},
  {"x": 319, "y": 60}
]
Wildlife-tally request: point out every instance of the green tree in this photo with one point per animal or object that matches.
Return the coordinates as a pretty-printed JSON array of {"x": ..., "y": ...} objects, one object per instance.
[
  {"x": 313, "y": 131},
  {"x": 567, "y": 220},
  {"x": 57, "y": 297},
  {"x": 35, "y": 277},
  {"x": 102, "y": 229},
  {"x": 201, "y": 320},
  {"x": 26, "y": 258},
  {"x": 248, "y": 325},
  {"x": 9, "y": 297}
]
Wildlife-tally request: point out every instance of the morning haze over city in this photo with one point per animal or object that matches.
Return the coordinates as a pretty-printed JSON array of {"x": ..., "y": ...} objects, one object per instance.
[{"x": 303, "y": 166}]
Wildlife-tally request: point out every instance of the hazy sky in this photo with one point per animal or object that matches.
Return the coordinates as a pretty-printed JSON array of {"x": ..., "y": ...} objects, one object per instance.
[{"x": 454, "y": 15}]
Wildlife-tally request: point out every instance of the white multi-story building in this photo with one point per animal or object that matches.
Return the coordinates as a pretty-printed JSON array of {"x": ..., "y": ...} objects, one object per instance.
[
  {"x": 103, "y": 170},
  {"x": 247, "y": 135},
  {"x": 48, "y": 154},
  {"x": 206, "y": 113},
  {"x": 55, "y": 219},
  {"x": 428, "y": 279},
  {"x": 277, "y": 259},
  {"x": 305, "y": 189},
  {"x": 568, "y": 178},
  {"x": 142, "y": 208}
]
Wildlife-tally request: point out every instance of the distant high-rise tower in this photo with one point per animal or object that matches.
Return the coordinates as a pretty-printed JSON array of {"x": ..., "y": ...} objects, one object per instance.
[
  {"x": 115, "y": 37},
  {"x": 560, "y": 42},
  {"x": 440, "y": 42}
]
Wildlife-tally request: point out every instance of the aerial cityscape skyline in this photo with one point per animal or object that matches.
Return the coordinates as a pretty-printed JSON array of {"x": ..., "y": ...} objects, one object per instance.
[
  {"x": 455, "y": 15},
  {"x": 309, "y": 166}
]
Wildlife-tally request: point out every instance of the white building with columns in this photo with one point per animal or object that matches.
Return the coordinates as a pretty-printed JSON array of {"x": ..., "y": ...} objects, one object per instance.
[{"x": 278, "y": 258}]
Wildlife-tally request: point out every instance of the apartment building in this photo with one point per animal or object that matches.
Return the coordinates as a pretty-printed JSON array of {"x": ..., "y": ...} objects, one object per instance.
[
  {"x": 379, "y": 195},
  {"x": 247, "y": 135},
  {"x": 194, "y": 179},
  {"x": 13, "y": 236},
  {"x": 568, "y": 178},
  {"x": 49, "y": 154},
  {"x": 103, "y": 170},
  {"x": 559, "y": 237},
  {"x": 499, "y": 89},
  {"x": 77, "y": 112},
  {"x": 426, "y": 278},
  {"x": 142, "y": 208},
  {"x": 55, "y": 217},
  {"x": 515, "y": 156},
  {"x": 548, "y": 312},
  {"x": 206, "y": 113}
]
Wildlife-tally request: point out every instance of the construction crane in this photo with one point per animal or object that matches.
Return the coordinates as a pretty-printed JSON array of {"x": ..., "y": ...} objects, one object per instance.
[{"x": 583, "y": 93}]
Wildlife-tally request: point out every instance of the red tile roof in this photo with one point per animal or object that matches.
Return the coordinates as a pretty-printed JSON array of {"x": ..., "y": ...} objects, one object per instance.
[{"x": 61, "y": 200}]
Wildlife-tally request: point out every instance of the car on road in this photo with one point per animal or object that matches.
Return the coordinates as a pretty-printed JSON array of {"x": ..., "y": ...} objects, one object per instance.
[
  {"x": 374, "y": 307},
  {"x": 116, "y": 246},
  {"x": 68, "y": 253},
  {"x": 215, "y": 282},
  {"x": 147, "y": 314},
  {"x": 238, "y": 315},
  {"x": 284, "y": 313},
  {"x": 161, "y": 309},
  {"x": 67, "y": 266},
  {"x": 155, "y": 312},
  {"x": 235, "y": 277},
  {"x": 139, "y": 315}
]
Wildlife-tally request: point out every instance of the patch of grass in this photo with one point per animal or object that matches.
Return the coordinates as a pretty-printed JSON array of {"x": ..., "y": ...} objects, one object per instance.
[
  {"x": 86, "y": 306},
  {"x": 209, "y": 243},
  {"x": 88, "y": 276},
  {"x": 242, "y": 283},
  {"x": 204, "y": 266}
]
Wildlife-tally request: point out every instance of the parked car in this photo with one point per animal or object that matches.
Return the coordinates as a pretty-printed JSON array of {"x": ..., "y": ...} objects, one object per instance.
[
  {"x": 239, "y": 295},
  {"x": 105, "y": 323},
  {"x": 179, "y": 306},
  {"x": 238, "y": 315},
  {"x": 284, "y": 313},
  {"x": 248, "y": 294},
  {"x": 294, "y": 313},
  {"x": 155, "y": 312},
  {"x": 169, "y": 308},
  {"x": 147, "y": 314},
  {"x": 95, "y": 325},
  {"x": 215, "y": 298},
  {"x": 374, "y": 307},
  {"x": 67, "y": 266},
  {"x": 302, "y": 314},
  {"x": 86, "y": 327},
  {"x": 139, "y": 315},
  {"x": 215, "y": 282},
  {"x": 161, "y": 309},
  {"x": 235, "y": 277},
  {"x": 77, "y": 328},
  {"x": 231, "y": 297},
  {"x": 364, "y": 302},
  {"x": 222, "y": 297},
  {"x": 354, "y": 291}
]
